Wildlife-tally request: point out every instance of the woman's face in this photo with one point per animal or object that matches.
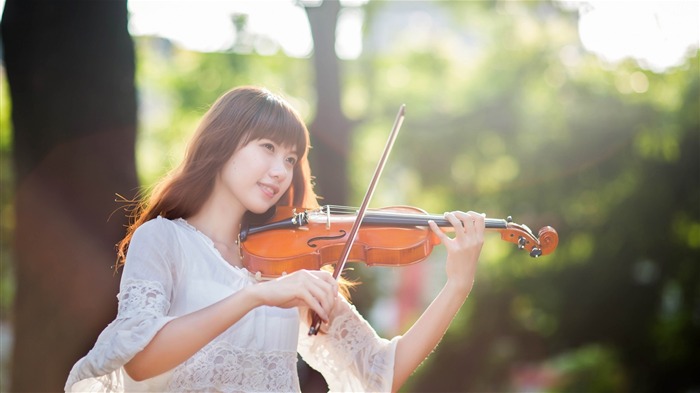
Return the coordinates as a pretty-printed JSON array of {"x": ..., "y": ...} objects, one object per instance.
[{"x": 257, "y": 174}]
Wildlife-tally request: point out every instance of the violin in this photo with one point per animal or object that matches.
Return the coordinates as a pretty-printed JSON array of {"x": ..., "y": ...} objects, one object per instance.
[{"x": 292, "y": 239}]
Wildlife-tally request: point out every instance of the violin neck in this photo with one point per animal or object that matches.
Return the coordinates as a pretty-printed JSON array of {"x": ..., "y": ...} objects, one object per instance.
[
  {"x": 372, "y": 217},
  {"x": 412, "y": 220}
]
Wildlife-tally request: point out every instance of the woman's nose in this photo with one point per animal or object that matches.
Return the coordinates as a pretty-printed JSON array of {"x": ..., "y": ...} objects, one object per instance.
[{"x": 279, "y": 170}]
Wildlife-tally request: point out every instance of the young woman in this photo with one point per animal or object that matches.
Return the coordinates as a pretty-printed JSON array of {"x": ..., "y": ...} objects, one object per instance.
[{"x": 192, "y": 318}]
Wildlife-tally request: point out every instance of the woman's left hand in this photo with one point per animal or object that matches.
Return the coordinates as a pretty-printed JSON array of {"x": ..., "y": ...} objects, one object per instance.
[{"x": 464, "y": 249}]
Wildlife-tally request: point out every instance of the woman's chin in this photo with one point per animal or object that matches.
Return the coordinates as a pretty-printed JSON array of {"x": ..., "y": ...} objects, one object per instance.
[{"x": 260, "y": 209}]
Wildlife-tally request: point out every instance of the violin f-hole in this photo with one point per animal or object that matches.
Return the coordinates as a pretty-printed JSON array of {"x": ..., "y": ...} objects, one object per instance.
[{"x": 311, "y": 242}]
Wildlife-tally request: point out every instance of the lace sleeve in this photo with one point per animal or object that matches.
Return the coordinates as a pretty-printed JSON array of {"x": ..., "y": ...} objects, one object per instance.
[
  {"x": 144, "y": 301},
  {"x": 350, "y": 355}
]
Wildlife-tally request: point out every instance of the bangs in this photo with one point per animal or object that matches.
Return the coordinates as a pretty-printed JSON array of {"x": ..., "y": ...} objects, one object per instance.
[{"x": 280, "y": 124}]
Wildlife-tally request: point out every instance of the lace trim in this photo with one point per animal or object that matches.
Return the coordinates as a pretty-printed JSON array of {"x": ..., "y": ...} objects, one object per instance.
[
  {"x": 142, "y": 296},
  {"x": 221, "y": 367},
  {"x": 142, "y": 306},
  {"x": 350, "y": 335},
  {"x": 350, "y": 355}
]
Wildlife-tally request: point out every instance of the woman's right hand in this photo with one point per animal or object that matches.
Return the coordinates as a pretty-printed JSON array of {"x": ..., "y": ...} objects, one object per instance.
[{"x": 315, "y": 289}]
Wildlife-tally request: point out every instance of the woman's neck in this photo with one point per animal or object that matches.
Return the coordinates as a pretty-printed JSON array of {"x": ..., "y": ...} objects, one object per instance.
[{"x": 219, "y": 220}]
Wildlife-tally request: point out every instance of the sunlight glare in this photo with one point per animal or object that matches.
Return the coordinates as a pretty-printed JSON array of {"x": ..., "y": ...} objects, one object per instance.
[
  {"x": 204, "y": 29},
  {"x": 658, "y": 34},
  {"x": 348, "y": 44},
  {"x": 207, "y": 26}
]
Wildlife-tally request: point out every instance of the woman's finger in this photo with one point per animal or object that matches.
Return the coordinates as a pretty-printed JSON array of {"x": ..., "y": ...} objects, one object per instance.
[
  {"x": 462, "y": 224},
  {"x": 328, "y": 278},
  {"x": 466, "y": 221},
  {"x": 323, "y": 294},
  {"x": 313, "y": 303},
  {"x": 478, "y": 221},
  {"x": 323, "y": 289},
  {"x": 438, "y": 232}
]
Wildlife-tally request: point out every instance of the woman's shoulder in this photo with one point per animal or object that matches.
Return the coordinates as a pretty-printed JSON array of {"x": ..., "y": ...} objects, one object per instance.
[
  {"x": 155, "y": 237},
  {"x": 159, "y": 228}
]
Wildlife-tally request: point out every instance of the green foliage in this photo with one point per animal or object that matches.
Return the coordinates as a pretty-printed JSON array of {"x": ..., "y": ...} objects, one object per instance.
[{"x": 589, "y": 369}]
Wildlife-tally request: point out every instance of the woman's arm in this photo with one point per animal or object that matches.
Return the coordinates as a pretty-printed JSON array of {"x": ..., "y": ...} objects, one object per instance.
[
  {"x": 462, "y": 257},
  {"x": 182, "y": 337}
]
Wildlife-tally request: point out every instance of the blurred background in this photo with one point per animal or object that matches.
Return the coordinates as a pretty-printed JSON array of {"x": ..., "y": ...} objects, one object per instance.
[{"x": 581, "y": 115}]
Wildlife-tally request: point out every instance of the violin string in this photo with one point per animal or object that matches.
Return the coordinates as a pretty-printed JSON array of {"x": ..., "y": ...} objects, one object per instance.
[{"x": 397, "y": 217}]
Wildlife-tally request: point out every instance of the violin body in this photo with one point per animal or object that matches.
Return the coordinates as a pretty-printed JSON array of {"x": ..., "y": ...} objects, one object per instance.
[{"x": 295, "y": 239}]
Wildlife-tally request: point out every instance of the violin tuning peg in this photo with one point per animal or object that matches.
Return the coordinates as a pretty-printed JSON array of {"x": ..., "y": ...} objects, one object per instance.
[{"x": 536, "y": 252}]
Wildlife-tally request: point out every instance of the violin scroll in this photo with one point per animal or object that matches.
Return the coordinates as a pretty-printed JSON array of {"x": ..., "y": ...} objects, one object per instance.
[
  {"x": 549, "y": 238},
  {"x": 543, "y": 244}
]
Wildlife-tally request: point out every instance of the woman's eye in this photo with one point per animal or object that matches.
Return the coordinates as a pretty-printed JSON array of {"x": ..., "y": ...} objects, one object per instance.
[
  {"x": 292, "y": 160},
  {"x": 269, "y": 146}
]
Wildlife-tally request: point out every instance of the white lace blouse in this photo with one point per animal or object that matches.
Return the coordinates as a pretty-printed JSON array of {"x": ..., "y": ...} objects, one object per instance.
[{"x": 171, "y": 270}]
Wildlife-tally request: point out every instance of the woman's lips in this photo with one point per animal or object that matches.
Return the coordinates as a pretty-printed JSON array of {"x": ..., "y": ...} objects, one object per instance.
[{"x": 268, "y": 189}]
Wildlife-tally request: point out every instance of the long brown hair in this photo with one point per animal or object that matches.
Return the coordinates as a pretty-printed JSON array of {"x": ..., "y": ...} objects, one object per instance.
[{"x": 239, "y": 116}]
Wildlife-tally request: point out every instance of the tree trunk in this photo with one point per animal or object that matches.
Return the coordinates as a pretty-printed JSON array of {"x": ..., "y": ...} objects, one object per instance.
[
  {"x": 70, "y": 68},
  {"x": 330, "y": 129}
]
